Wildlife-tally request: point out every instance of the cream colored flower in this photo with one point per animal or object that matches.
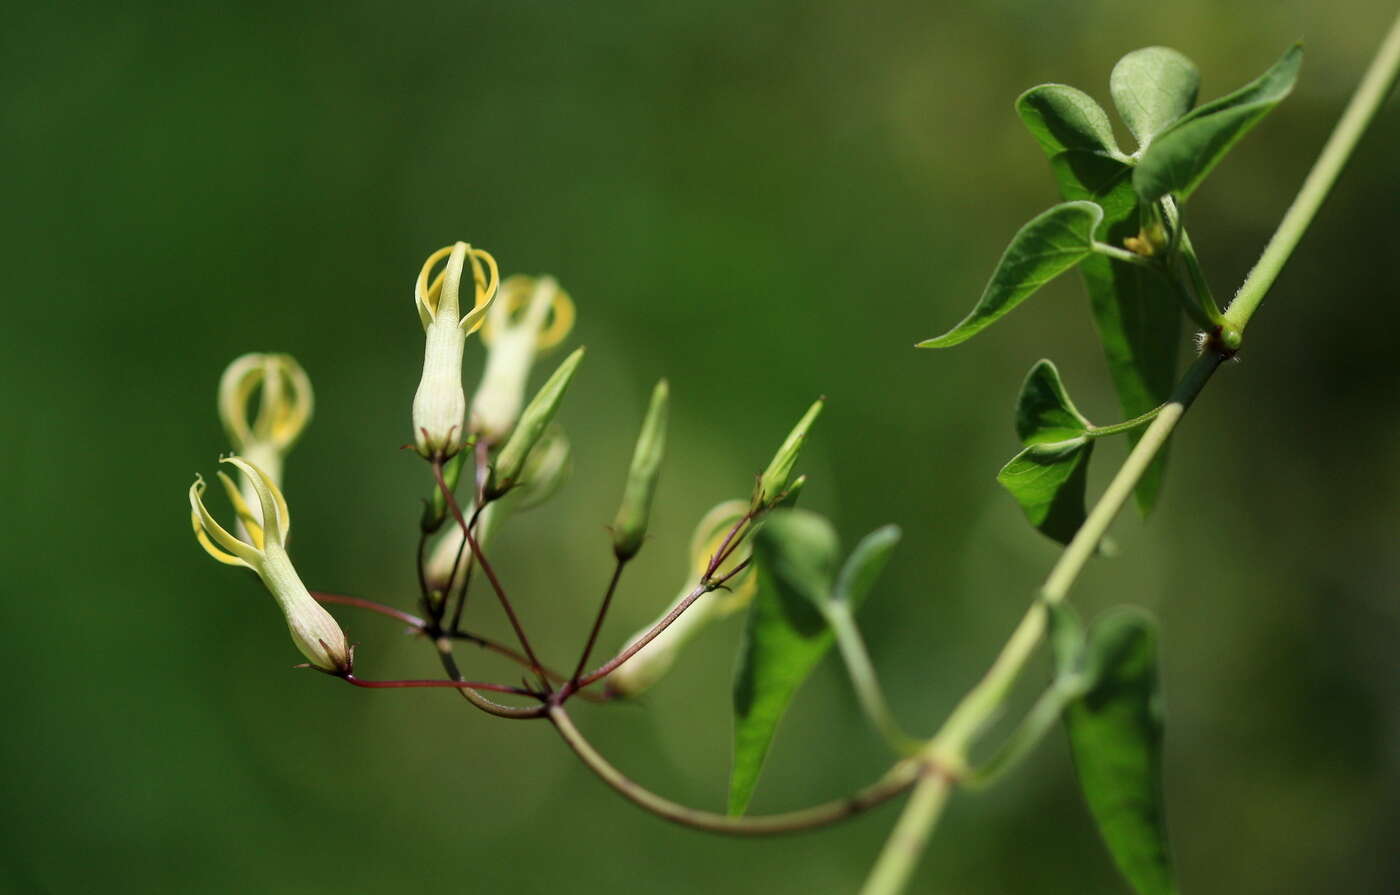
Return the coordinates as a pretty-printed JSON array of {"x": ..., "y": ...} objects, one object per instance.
[
  {"x": 285, "y": 402},
  {"x": 532, "y": 315},
  {"x": 313, "y": 629},
  {"x": 440, "y": 405}
]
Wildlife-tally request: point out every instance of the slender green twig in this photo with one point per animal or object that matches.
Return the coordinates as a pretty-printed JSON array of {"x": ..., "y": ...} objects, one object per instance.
[
  {"x": 865, "y": 681},
  {"x": 981, "y": 704},
  {"x": 1126, "y": 425},
  {"x": 1044, "y": 715},
  {"x": 898, "y": 779},
  {"x": 906, "y": 843},
  {"x": 1375, "y": 86}
]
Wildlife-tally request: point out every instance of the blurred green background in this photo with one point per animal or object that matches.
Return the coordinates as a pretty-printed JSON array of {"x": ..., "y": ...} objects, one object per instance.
[{"x": 763, "y": 201}]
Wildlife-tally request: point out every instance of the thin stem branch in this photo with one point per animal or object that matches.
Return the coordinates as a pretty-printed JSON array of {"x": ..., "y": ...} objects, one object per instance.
[
  {"x": 866, "y": 682},
  {"x": 895, "y": 781},
  {"x": 597, "y": 625},
  {"x": 1124, "y": 255},
  {"x": 486, "y": 567},
  {"x": 700, "y": 590},
  {"x": 1375, "y": 86},
  {"x": 1126, "y": 425},
  {"x": 412, "y": 621},
  {"x": 489, "y": 706},
  {"x": 399, "y": 685}
]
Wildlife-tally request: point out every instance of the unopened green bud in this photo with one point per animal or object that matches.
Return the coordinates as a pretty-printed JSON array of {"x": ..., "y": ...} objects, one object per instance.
[
  {"x": 512, "y": 340},
  {"x": 652, "y": 661},
  {"x": 313, "y": 629},
  {"x": 285, "y": 402},
  {"x": 510, "y": 462},
  {"x": 629, "y": 527},
  {"x": 793, "y": 490},
  {"x": 440, "y": 404},
  {"x": 774, "y": 481}
]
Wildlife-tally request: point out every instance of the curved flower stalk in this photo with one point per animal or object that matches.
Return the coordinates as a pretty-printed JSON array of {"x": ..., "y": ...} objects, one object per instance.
[
  {"x": 285, "y": 402},
  {"x": 652, "y": 661},
  {"x": 545, "y": 471},
  {"x": 514, "y": 331},
  {"x": 313, "y": 629},
  {"x": 440, "y": 405}
]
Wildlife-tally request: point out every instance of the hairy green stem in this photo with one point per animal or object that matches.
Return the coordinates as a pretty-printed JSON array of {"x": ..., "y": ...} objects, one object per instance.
[{"x": 1375, "y": 86}]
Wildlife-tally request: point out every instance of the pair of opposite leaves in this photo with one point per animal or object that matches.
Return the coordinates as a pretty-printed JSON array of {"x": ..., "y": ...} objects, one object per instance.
[{"x": 1110, "y": 194}]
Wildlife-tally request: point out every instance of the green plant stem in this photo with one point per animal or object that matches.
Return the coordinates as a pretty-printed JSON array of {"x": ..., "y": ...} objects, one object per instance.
[
  {"x": 1375, "y": 86},
  {"x": 984, "y": 701},
  {"x": 1124, "y": 255},
  {"x": 1126, "y": 425},
  {"x": 906, "y": 843},
  {"x": 949, "y": 747},
  {"x": 865, "y": 681},
  {"x": 898, "y": 779},
  {"x": 1044, "y": 715}
]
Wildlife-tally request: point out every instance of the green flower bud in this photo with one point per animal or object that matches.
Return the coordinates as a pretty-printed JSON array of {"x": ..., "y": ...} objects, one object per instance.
[
  {"x": 510, "y": 462},
  {"x": 629, "y": 528},
  {"x": 440, "y": 405},
  {"x": 512, "y": 340},
  {"x": 285, "y": 403},
  {"x": 313, "y": 629},
  {"x": 652, "y": 661},
  {"x": 774, "y": 481}
]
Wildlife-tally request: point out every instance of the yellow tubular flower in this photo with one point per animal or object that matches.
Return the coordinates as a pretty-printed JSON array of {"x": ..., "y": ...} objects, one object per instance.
[
  {"x": 652, "y": 661},
  {"x": 440, "y": 405},
  {"x": 515, "y": 330},
  {"x": 285, "y": 403},
  {"x": 313, "y": 629}
]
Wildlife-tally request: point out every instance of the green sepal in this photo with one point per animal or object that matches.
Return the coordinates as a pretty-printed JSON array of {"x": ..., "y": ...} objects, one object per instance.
[
  {"x": 775, "y": 479},
  {"x": 505, "y": 473},
  {"x": 629, "y": 527}
]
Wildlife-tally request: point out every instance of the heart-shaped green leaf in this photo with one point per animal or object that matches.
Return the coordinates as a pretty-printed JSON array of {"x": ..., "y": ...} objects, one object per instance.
[
  {"x": 1152, "y": 88},
  {"x": 1044, "y": 411},
  {"x": 1115, "y": 734},
  {"x": 1048, "y": 481},
  {"x": 1181, "y": 156},
  {"x": 795, "y": 552},
  {"x": 1062, "y": 118},
  {"x": 1050, "y": 244},
  {"x": 1135, "y": 309}
]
